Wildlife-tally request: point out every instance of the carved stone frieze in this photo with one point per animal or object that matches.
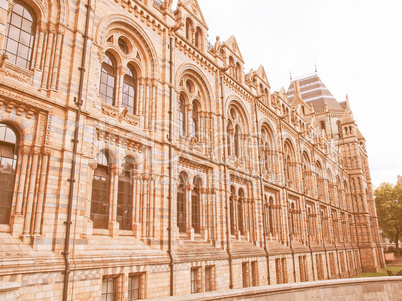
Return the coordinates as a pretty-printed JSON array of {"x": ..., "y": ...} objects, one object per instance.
[{"x": 19, "y": 99}]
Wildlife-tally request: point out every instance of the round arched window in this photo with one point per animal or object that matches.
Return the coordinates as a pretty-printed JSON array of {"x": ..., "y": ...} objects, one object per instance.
[{"x": 8, "y": 165}]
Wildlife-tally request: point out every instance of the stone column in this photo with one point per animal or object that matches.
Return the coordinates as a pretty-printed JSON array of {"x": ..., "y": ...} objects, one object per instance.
[
  {"x": 114, "y": 192},
  {"x": 31, "y": 193},
  {"x": 41, "y": 194},
  {"x": 137, "y": 206},
  {"x": 48, "y": 54},
  {"x": 17, "y": 218},
  {"x": 145, "y": 206},
  {"x": 151, "y": 197},
  {"x": 88, "y": 224},
  {"x": 39, "y": 50},
  {"x": 204, "y": 210},
  {"x": 55, "y": 73},
  {"x": 190, "y": 229}
]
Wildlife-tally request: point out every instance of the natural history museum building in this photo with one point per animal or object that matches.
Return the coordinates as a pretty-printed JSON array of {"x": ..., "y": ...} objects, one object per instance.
[{"x": 138, "y": 160}]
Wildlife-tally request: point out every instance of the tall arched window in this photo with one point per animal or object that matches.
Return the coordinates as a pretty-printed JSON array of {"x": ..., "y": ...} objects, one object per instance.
[
  {"x": 232, "y": 67},
  {"x": 8, "y": 164},
  {"x": 292, "y": 222},
  {"x": 198, "y": 38},
  {"x": 240, "y": 218},
  {"x": 180, "y": 115},
  {"x": 237, "y": 141},
  {"x": 129, "y": 90},
  {"x": 229, "y": 138},
  {"x": 194, "y": 120},
  {"x": 181, "y": 204},
  {"x": 238, "y": 72},
  {"x": 271, "y": 215},
  {"x": 108, "y": 79},
  {"x": 266, "y": 155},
  {"x": 233, "y": 201},
  {"x": 125, "y": 195},
  {"x": 323, "y": 127},
  {"x": 189, "y": 29},
  {"x": 20, "y": 35},
  {"x": 101, "y": 192},
  {"x": 196, "y": 206}
]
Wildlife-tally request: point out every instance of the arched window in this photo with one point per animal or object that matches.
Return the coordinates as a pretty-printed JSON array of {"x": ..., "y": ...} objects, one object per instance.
[
  {"x": 240, "y": 211},
  {"x": 266, "y": 155},
  {"x": 180, "y": 115},
  {"x": 198, "y": 38},
  {"x": 8, "y": 164},
  {"x": 238, "y": 72},
  {"x": 270, "y": 215},
  {"x": 194, "y": 121},
  {"x": 129, "y": 90},
  {"x": 233, "y": 200},
  {"x": 108, "y": 79},
  {"x": 323, "y": 127},
  {"x": 229, "y": 134},
  {"x": 101, "y": 192},
  {"x": 232, "y": 67},
  {"x": 181, "y": 204},
  {"x": 292, "y": 224},
  {"x": 20, "y": 35},
  {"x": 237, "y": 141},
  {"x": 339, "y": 129},
  {"x": 189, "y": 29},
  {"x": 125, "y": 195},
  {"x": 196, "y": 206}
]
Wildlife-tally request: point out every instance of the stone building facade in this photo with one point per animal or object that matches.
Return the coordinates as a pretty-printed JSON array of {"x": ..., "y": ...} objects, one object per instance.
[{"x": 163, "y": 167}]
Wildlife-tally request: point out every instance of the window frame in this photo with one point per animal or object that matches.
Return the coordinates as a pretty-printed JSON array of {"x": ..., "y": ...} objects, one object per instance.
[
  {"x": 109, "y": 71},
  {"x": 130, "y": 82},
  {"x": 20, "y": 30},
  {"x": 6, "y": 208},
  {"x": 106, "y": 190}
]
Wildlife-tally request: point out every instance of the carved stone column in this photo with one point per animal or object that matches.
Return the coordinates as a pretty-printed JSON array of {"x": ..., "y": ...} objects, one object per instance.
[
  {"x": 190, "y": 229},
  {"x": 31, "y": 193},
  {"x": 204, "y": 210},
  {"x": 88, "y": 224},
  {"x": 55, "y": 71},
  {"x": 17, "y": 220},
  {"x": 151, "y": 200},
  {"x": 41, "y": 195},
  {"x": 137, "y": 206},
  {"x": 39, "y": 50},
  {"x": 114, "y": 192},
  {"x": 46, "y": 65}
]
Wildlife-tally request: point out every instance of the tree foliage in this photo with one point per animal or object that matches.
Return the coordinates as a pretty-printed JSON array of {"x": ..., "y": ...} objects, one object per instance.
[{"x": 388, "y": 200}]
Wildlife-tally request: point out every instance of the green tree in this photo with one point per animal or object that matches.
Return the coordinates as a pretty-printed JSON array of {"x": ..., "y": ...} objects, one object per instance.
[{"x": 388, "y": 200}]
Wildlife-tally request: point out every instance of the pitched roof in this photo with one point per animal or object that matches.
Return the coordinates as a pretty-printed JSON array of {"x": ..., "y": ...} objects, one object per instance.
[{"x": 315, "y": 93}]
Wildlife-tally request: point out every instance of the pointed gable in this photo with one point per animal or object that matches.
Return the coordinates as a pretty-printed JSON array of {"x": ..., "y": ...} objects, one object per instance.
[
  {"x": 193, "y": 8},
  {"x": 232, "y": 45},
  {"x": 261, "y": 73}
]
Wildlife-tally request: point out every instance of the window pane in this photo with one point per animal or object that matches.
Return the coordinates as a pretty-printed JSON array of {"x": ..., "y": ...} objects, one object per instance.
[{"x": 16, "y": 20}]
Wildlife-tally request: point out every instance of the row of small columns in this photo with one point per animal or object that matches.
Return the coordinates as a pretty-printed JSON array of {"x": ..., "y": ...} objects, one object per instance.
[{"x": 22, "y": 219}]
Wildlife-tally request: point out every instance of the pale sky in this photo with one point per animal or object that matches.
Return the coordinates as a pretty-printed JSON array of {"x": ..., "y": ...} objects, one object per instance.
[{"x": 356, "y": 45}]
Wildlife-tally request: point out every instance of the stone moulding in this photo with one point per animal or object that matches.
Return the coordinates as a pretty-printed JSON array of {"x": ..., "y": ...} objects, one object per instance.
[{"x": 370, "y": 288}]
